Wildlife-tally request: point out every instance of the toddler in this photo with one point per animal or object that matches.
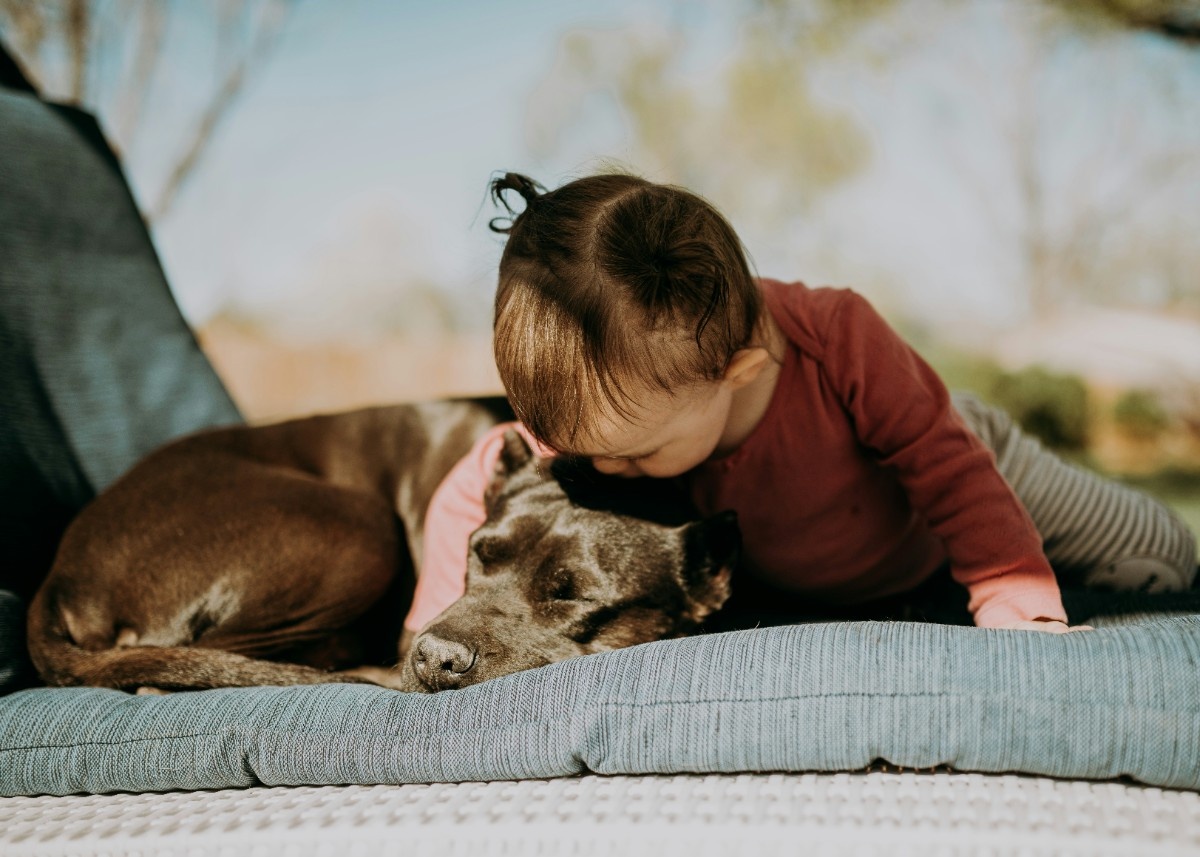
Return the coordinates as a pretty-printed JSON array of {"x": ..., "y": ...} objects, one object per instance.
[{"x": 630, "y": 331}]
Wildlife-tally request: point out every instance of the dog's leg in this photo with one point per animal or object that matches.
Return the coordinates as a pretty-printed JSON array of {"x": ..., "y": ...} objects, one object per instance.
[
  {"x": 124, "y": 665},
  {"x": 187, "y": 668},
  {"x": 392, "y": 677}
]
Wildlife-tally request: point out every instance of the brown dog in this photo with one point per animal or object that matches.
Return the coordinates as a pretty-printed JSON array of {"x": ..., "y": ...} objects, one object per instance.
[{"x": 288, "y": 554}]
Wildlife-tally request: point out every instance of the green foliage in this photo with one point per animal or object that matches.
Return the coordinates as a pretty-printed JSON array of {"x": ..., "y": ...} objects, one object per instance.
[
  {"x": 759, "y": 139},
  {"x": 1177, "y": 488},
  {"x": 1051, "y": 407},
  {"x": 960, "y": 371},
  {"x": 1140, "y": 415},
  {"x": 1172, "y": 19}
]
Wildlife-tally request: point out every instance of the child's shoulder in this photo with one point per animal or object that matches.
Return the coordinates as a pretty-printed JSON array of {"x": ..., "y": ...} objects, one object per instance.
[{"x": 806, "y": 314}]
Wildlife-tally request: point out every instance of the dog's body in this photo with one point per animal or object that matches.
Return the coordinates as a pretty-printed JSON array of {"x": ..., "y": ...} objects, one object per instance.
[{"x": 288, "y": 554}]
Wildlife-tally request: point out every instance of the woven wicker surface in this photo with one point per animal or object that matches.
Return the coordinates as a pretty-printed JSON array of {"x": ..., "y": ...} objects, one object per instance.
[{"x": 693, "y": 815}]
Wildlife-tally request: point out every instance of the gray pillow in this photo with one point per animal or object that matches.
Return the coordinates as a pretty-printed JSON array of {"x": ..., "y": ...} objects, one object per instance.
[{"x": 814, "y": 697}]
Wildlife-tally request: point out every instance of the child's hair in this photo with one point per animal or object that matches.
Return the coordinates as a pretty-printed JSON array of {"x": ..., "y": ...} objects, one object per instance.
[{"x": 611, "y": 286}]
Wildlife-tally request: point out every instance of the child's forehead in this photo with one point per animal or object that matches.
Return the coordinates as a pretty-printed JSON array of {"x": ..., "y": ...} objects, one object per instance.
[
  {"x": 599, "y": 435},
  {"x": 616, "y": 442},
  {"x": 630, "y": 430}
]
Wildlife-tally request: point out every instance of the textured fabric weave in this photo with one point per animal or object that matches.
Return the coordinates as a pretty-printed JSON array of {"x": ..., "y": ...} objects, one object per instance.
[
  {"x": 85, "y": 301},
  {"x": 866, "y": 814},
  {"x": 97, "y": 367},
  {"x": 816, "y": 697}
]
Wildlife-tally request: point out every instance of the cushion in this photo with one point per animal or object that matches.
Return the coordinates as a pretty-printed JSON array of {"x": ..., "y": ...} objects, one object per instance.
[
  {"x": 1120, "y": 701},
  {"x": 16, "y": 671},
  {"x": 97, "y": 366}
]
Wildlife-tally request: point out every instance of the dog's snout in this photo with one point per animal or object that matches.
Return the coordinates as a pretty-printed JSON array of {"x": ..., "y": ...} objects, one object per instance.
[{"x": 441, "y": 663}]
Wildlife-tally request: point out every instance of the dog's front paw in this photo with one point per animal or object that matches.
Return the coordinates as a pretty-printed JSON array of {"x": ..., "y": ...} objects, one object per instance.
[
  {"x": 394, "y": 678},
  {"x": 407, "y": 679}
]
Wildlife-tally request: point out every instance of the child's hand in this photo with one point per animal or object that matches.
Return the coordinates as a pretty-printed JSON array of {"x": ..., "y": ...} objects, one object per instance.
[{"x": 1049, "y": 626}]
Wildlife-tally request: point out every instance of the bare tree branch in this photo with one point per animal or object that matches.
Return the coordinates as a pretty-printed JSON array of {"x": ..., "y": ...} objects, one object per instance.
[
  {"x": 27, "y": 20},
  {"x": 77, "y": 26},
  {"x": 152, "y": 25},
  {"x": 1174, "y": 19},
  {"x": 273, "y": 17},
  {"x": 1178, "y": 20}
]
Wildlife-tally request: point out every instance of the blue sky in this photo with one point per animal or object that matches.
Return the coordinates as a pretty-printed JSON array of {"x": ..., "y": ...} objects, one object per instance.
[
  {"x": 368, "y": 110},
  {"x": 358, "y": 156}
]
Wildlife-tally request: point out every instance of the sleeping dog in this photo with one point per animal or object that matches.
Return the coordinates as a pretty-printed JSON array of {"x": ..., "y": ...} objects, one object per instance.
[{"x": 288, "y": 554}]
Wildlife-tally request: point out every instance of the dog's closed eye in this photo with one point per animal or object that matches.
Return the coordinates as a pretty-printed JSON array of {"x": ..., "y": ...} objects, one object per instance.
[
  {"x": 563, "y": 587},
  {"x": 559, "y": 584},
  {"x": 492, "y": 550}
]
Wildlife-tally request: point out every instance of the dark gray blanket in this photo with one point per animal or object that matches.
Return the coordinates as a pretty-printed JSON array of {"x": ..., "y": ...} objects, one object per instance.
[{"x": 96, "y": 365}]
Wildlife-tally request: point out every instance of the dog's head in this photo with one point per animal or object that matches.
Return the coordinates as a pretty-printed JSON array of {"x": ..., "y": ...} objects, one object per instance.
[{"x": 571, "y": 562}]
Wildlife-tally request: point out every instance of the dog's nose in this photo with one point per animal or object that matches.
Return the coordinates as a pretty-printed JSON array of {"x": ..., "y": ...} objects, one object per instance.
[{"x": 440, "y": 663}]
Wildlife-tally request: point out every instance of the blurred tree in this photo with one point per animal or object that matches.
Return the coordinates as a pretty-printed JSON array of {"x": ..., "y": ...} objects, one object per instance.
[
  {"x": 1061, "y": 213},
  {"x": 1057, "y": 177},
  {"x": 106, "y": 53},
  {"x": 1052, "y": 407},
  {"x": 703, "y": 133},
  {"x": 1076, "y": 175},
  {"x": 1139, "y": 414}
]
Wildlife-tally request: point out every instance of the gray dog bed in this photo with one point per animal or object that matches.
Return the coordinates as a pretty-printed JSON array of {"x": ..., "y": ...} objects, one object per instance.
[{"x": 818, "y": 697}]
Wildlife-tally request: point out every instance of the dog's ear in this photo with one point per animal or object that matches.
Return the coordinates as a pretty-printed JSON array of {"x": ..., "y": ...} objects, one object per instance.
[
  {"x": 515, "y": 455},
  {"x": 713, "y": 546}
]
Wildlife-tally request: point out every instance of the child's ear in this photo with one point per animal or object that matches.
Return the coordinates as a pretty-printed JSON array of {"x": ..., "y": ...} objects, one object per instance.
[{"x": 745, "y": 365}]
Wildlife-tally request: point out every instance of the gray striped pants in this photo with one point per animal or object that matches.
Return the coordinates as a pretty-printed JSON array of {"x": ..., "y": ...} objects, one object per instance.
[{"x": 1095, "y": 532}]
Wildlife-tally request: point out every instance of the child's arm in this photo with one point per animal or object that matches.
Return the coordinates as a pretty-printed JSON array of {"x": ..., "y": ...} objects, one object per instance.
[
  {"x": 902, "y": 411},
  {"x": 455, "y": 511}
]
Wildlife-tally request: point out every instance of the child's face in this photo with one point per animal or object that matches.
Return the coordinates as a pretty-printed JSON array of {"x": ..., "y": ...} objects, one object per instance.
[{"x": 669, "y": 434}]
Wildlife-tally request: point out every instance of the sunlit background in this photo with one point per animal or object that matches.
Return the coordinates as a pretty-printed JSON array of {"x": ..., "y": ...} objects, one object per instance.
[{"x": 1014, "y": 183}]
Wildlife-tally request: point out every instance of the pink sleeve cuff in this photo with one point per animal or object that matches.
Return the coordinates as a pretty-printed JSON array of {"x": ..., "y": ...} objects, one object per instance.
[{"x": 1015, "y": 598}]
